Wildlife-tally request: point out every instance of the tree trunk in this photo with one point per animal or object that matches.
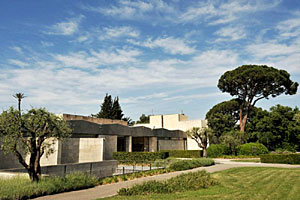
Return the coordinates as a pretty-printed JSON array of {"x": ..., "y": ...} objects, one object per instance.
[
  {"x": 34, "y": 169},
  {"x": 204, "y": 152}
]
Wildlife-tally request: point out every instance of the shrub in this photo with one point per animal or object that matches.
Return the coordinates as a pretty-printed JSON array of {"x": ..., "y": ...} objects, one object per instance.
[
  {"x": 22, "y": 188},
  {"x": 190, "y": 164},
  {"x": 216, "y": 150},
  {"x": 181, "y": 183},
  {"x": 252, "y": 149},
  {"x": 139, "y": 157},
  {"x": 184, "y": 153},
  {"x": 280, "y": 158}
]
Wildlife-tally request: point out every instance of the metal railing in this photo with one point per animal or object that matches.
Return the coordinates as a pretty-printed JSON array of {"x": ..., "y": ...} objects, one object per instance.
[{"x": 125, "y": 167}]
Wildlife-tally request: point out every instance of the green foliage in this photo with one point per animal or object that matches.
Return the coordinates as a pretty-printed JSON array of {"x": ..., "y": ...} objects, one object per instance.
[
  {"x": 190, "y": 164},
  {"x": 27, "y": 133},
  {"x": 280, "y": 158},
  {"x": 252, "y": 149},
  {"x": 143, "y": 119},
  {"x": 181, "y": 183},
  {"x": 138, "y": 157},
  {"x": 22, "y": 188},
  {"x": 232, "y": 140},
  {"x": 222, "y": 118},
  {"x": 216, "y": 150},
  {"x": 110, "y": 109},
  {"x": 201, "y": 136},
  {"x": 250, "y": 83},
  {"x": 184, "y": 153},
  {"x": 277, "y": 128}
]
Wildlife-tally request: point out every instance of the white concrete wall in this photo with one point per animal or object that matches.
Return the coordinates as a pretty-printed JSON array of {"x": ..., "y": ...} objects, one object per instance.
[
  {"x": 90, "y": 150},
  {"x": 176, "y": 122}
]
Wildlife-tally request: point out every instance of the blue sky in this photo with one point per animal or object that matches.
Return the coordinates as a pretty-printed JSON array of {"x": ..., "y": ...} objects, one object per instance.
[{"x": 159, "y": 57}]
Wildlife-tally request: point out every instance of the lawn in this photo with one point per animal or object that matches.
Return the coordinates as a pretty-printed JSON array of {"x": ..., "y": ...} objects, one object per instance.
[{"x": 242, "y": 183}]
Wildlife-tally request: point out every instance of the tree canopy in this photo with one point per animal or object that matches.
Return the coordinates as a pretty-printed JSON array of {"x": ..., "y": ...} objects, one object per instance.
[
  {"x": 251, "y": 83},
  {"x": 143, "y": 119},
  {"x": 28, "y": 134},
  {"x": 110, "y": 109},
  {"x": 222, "y": 118}
]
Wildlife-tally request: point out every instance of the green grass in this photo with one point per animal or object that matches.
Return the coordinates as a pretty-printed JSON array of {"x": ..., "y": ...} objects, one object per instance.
[
  {"x": 22, "y": 188},
  {"x": 251, "y": 183}
]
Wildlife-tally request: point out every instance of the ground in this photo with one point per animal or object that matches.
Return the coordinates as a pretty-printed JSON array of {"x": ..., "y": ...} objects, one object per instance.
[{"x": 243, "y": 183}]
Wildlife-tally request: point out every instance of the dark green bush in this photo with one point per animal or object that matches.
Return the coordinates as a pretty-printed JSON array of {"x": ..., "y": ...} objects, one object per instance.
[
  {"x": 139, "y": 157},
  {"x": 190, "y": 164},
  {"x": 252, "y": 149},
  {"x": 216, "y": 150},
  {"x": 184, "y": 153},
  {"x": 280, "y": 158},
  {"x": 181, "y": 183}
]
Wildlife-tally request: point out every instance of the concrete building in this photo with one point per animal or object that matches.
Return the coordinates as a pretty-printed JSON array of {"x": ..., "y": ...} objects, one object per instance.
[
  {"x": 95, "y": 140},
  {"x": 175, "y": 122}
]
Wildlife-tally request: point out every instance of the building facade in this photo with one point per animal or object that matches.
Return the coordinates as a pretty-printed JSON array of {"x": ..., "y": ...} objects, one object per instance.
[{"x": 175, "y": 122}]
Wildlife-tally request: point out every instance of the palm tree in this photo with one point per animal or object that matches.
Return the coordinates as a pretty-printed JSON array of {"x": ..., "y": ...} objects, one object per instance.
[{"x": 19, "y": 96}]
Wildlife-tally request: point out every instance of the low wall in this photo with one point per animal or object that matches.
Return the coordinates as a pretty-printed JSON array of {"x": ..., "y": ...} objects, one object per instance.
[
  {"x": 100, "y": 169},
  {"x": 94, "y": 119}
]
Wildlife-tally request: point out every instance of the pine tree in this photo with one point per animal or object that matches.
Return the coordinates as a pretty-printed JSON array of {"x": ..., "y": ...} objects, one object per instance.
[
  {"x": 116, "y": 112},
  {"x": 110, "y": 109},
  {"x": 106, "y": 108}
]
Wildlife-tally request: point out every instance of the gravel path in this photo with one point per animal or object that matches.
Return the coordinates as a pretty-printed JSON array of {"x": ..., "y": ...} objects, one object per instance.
[{"x": 111, "y": 189}]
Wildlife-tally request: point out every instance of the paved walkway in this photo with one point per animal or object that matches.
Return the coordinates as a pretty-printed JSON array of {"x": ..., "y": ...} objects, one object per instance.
[{"x": 111, "y": 189}]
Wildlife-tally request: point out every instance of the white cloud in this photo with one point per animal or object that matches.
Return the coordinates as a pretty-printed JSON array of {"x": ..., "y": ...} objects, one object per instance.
[
  {"x": 68, "y": 27},
  {"x": 47, "y": 44},
  {"x": 230, "y": 33},
  {"x": 94, "y": 59},
  {"x": 116, "y": 32},
  {"x": 221, "y": 12},
  {"x": 289, "y": 28},
  {"x": 17, "y": 49},
  {"x": 134, "y": 10},
  {"x": 168, "y": 44},
  {"x": 18, "y": 63}
]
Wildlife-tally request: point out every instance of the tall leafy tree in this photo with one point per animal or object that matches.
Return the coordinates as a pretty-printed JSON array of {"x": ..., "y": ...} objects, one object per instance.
[
  {"x": 27, "y": 134},
  {"x": 222, "y": 118},
  {"x": 277, "y": 128},
  {"x": 251, "y": 83},
  {"x": 143, "y": 119}
]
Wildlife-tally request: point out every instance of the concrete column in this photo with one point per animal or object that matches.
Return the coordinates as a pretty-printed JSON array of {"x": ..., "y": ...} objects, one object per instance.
[
  {"x": 152, "y": 144},
  {"x": 128, "y": 143}
]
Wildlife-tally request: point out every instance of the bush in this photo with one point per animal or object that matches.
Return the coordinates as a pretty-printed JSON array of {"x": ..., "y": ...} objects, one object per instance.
[
  {"x": 216, "y": 150},
  {"x": 139, "y": 157},
  {"x": 280, "y": 158},
  {"x": 181, "y": 183},
  {"x": 22, "y": 188},
  {"x": 252, "y": 149},
  {"x": 184, "y": 153},
  {"x": 190, "y": 164}
]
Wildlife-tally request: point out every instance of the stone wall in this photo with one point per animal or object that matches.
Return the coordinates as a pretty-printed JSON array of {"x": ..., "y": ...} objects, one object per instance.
[
  {"x": 170, "y": 144},
  {"x": 100, "y": 169},
  {"x": 110, "y": 146},
  {"x": 94, "y": 120}
]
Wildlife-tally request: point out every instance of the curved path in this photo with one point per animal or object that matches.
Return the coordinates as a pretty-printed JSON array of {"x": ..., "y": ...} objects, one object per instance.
[{"x": 111, "y": 189}]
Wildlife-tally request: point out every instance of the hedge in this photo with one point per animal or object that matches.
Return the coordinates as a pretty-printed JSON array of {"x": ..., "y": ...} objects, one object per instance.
[
  {"x": 184, "y": 153},
  {"x": 190, "y": 164},
  {"x": 216, "y": 150},
  {"x": 139, "y": 157},
  {"x": 280, "y": 158},
  {"x": 252, "y": 149}
]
